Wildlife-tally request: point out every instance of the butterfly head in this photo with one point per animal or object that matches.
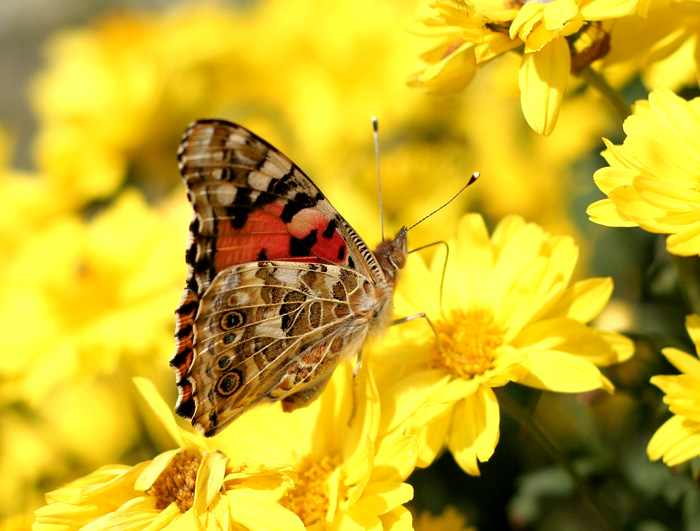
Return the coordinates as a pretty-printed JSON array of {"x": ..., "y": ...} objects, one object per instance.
[{"x": 391, "y": 254}]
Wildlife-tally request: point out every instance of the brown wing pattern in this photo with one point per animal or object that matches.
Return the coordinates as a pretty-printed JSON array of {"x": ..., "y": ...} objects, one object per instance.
[{"x": 269, "y": 331}]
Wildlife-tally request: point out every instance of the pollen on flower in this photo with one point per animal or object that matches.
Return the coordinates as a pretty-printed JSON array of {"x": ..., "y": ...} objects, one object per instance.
[
  {"x": 467, "y": 341},
  {"x": 309, "y": 498},
  {"x": 176, "y": 483}
]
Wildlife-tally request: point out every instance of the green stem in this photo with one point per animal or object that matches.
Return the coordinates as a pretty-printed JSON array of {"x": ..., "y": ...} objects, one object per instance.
[
  {"x": 594, "y": 79},
  {"x": 518, "y": 413},
  {"x": 688, "y": 270}
]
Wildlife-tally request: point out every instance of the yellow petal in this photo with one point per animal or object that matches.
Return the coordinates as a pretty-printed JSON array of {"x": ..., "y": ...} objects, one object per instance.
[
  {"x": 396, "y": 458},
  {"x": 161, "y": 410},
  {"x": 542, "y": 79},
  {"x": 473, "y": 250},
  {"x": 631, "y": 206},
  {"x": 125, "y": 520},
  {"x": 475, "y": 430},
  {"x": 678, "y": 115},
  {"x": 528, "y": 15},
  {"x": 584, "y": 300},
  {"x": 692, "y": 323},
  {"x": 664, "y": 194},
  {"x": 685, "y": 242},
  {"x": 685, "y": 363},
  {"x": 400, "y": 519},
  {"x": 677, "y": 441},
  {"x": 210, "y": 478},
  {"x": 357, "y": 518},
  {"x": 558, "y": 13},
  {"x": 606, "y": 9},
  {"x": 154, "y": 469},
  {"x": 562, "y": 372},
  {"x": 493, "y": 45},
  {"x": 604, "y": 212},
  {"x": 622, "y": 349},
  {"x": 255, "y": 511},
  {"x": 431, "y": 439},
  {"x": 410, "y": 394},
  {"x": 359, "y": 466},
  {"x": 609, "y": 178},
  {"x": 381, "y": 497}
]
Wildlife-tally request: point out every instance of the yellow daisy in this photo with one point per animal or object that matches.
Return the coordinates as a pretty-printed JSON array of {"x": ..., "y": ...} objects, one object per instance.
[
  {"x": 186, "y": 488},
  {"x": 508, "y": 314},
  {"x": 652, "y": 180},
  {"x": 678, "y": 440},
  {"x": 192, "y": 486},
  {"x": 349, "y": 476},
  {"x": 556, "y": 38}
]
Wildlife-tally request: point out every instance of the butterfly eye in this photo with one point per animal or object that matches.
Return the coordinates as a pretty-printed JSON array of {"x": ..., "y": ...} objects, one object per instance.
[{"x": 398, "y": 260}]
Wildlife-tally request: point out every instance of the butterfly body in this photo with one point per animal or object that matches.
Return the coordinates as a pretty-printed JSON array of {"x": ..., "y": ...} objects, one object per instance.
[{"x": 280, "y": 288}]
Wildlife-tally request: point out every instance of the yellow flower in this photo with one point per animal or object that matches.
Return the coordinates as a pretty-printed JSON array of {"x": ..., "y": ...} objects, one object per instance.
[
  {"x": 661, "y": 44},
  {"x": 194, "y": 485},
  {"x": 556, "y": 38},
  {"x": 186, "y": 488},
  {"x": 508, "y": 314},
  {"x": 349, "y": 476},
  {"x": 678, "y": 439},
  {"x": 652, "y": 178}
]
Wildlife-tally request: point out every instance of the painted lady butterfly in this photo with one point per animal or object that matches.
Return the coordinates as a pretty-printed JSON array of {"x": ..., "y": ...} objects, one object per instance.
[{"x": 280, "y": 287}]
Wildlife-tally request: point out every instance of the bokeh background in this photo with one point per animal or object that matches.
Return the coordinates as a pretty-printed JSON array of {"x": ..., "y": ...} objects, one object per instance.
[{"x": 93, "y": 225}]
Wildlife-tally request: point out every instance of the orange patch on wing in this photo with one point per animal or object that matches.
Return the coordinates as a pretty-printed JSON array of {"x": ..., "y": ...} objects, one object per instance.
[
  {"x": 266, "y": 236},
  {"x": 309, "y": 219}
]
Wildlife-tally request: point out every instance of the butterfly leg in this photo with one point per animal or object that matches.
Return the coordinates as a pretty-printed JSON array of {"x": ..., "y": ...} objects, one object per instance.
[
  {"x": 357, "y": 364},
  {"x": 420, "y": 316}
]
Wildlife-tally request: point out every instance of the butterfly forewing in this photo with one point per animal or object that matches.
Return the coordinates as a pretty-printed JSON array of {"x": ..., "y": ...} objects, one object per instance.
[
  {"x": 279, "y": 285},
  {"x": 251, "y": 203}
]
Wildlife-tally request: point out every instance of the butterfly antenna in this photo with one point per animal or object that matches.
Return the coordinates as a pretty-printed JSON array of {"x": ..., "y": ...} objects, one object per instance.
[
  {"x": 471, "y": 181},
  {"x": 375, "y": 128}
]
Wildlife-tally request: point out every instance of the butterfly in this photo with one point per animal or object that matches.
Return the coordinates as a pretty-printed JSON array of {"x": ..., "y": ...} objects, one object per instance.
[{"x": 280, "y": 288}]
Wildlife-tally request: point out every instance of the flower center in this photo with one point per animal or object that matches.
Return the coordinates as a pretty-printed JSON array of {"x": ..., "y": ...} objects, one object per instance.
[
  {"x": 309, "y": 497},
  {"x": 467, "y": 341},
  {"x": 176, "y": 483}
]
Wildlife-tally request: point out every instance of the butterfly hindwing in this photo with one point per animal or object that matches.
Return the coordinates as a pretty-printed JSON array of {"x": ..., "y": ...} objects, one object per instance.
[{"x": 268, "y": 331}]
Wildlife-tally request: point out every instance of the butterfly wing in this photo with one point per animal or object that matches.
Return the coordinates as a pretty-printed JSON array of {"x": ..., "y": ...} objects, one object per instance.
[
  {"x": 269, "y": 331},
  {"x": 251, "y": 204}
]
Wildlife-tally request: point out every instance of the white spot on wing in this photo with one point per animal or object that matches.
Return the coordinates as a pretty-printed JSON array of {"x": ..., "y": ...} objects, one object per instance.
[
  {"x": 259, "y": 180},
  {"x": 287, "y": 276},
  {"x": 225, "y": 195}
]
